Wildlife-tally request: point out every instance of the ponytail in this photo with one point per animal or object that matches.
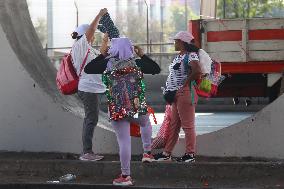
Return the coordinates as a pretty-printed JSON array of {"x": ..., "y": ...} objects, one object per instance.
[
  {"x": 190, "y": 47},
  {"x": 74, "y": 35}
]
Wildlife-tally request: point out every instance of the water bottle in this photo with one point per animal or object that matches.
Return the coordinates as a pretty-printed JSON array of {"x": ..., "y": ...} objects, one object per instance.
[{"x": 67, "y": 178}]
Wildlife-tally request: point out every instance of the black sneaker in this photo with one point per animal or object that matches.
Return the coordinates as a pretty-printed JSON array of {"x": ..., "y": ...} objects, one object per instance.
[
  {"x": 187, "y": 158},
  {"x": 162, "y": 157}
]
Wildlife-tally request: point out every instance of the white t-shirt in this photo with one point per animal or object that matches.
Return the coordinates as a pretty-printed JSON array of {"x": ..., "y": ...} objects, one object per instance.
[
  {"x": 88, "y": 82},
  {"x": 178, "y": 76}
]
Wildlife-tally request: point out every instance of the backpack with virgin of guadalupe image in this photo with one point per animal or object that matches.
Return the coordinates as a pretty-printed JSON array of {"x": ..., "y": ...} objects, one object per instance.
[{"x": 125, "y": 89}]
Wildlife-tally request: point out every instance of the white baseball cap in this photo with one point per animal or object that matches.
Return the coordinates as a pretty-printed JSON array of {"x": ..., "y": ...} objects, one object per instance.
[
  {"x": 184, "y": 36},
  {"x": 82, "y": 29}
]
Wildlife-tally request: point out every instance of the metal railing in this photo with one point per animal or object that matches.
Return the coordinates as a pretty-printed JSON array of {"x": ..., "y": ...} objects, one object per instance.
[
  {"x": 153, "y": 47},
  {"x": 163, "y": 58}
]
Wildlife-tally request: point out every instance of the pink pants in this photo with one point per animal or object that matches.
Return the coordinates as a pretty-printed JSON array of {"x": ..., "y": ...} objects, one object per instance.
[{"x": 183, "y": 115}]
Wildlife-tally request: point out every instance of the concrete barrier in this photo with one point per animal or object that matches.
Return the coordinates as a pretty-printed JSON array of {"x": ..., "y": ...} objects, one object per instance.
[
  {"x": 35, "y": 117},
  {"x": 282, "y": 85}
]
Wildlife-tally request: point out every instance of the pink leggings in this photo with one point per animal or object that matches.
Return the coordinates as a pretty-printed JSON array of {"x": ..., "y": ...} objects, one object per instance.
[{"x": 183, "y": 115}]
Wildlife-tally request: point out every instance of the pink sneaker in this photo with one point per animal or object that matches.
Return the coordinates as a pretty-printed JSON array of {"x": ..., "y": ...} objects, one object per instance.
[
  {"x": 147, "y": 158},
  {"x": 123, "y": 181},
  {"x": 90, "y": 157}
]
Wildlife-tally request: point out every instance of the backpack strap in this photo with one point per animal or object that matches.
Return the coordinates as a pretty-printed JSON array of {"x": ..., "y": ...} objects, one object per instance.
[
  {"x": 185, "y": 62},
  {"x": 192, "y": 84},
  {"x": 84, "y": 62}
]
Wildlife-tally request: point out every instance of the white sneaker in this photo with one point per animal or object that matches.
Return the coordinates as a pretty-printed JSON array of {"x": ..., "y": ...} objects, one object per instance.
[{"x": 91, "y": 157}]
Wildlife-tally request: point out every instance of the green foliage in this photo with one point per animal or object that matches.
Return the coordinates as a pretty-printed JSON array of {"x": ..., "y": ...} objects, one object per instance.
[
  {"x": 132, "y": 26},
  {"x": 179, "y": 21},
  {"x": 178, "y": 15},
  {"x": 250, "y": 8},
  {"x": 178, "y": 18}
]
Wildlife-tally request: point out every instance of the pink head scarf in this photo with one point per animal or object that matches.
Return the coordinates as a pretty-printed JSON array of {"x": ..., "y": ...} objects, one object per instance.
[{"x": 121, "y": 48}]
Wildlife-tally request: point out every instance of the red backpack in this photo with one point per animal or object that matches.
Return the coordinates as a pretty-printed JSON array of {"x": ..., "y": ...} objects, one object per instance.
[
  {"x": 208, "y": 86},
  {"x": 67, "y": 79}
]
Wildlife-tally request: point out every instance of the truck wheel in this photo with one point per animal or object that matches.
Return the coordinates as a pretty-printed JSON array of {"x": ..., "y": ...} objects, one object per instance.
[
  {"x": 248, "y": 102},
  {"x": 236, "y": 100}
]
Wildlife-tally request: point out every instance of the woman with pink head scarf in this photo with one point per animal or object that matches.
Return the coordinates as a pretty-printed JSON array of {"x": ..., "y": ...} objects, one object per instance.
[{"x": 123, "y": 77}]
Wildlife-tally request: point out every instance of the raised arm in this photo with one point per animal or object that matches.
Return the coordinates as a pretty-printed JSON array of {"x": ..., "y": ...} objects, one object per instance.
[
  {"x": 147, "y": 65},
  {"x": 93, "y": 26}
]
